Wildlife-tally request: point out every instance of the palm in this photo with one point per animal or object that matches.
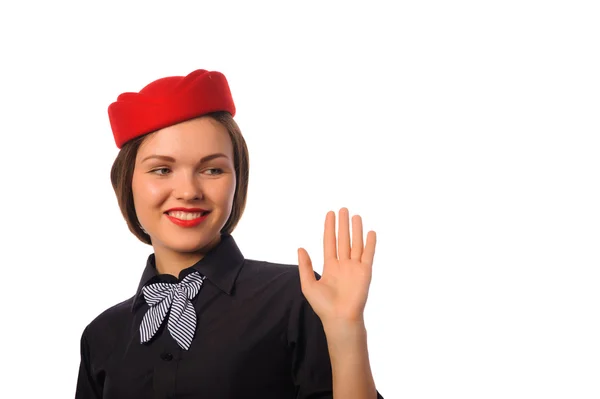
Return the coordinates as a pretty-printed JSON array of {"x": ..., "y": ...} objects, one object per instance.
[{"x": 341, "y": 293}]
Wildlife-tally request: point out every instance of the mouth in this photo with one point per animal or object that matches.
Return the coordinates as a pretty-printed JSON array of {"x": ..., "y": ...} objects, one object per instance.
[{"x": 185, "y": 215}]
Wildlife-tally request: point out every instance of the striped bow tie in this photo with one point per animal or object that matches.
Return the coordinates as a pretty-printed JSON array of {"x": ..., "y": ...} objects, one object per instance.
[{"x": 182, "y": 319}]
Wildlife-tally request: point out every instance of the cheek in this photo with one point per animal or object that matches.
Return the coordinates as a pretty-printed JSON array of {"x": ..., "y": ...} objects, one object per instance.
[
  {"x": 221, "y": 192},
  {"x": 147, "y": 192},
  {"x": 228, "y": 191}
]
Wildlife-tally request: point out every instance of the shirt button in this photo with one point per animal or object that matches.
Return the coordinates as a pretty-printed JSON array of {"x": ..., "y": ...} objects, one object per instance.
[{"x": 166, "y": 356}]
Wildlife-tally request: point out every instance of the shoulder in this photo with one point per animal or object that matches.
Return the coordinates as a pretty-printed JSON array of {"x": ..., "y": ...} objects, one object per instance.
[
  {"x": 109, "y": 322},
  {"x": 105, "y": 333},
  {"x": 280, "y": 282},
  {"x": 289, "y": 270},
  {"x": 272, "y": 269},
  {"x": 276, "y": 284},
  {"x": 282, "y": 275}
]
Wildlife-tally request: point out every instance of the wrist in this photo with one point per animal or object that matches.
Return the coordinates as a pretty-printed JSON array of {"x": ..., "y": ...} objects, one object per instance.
[{"x": 342, "y": 331}]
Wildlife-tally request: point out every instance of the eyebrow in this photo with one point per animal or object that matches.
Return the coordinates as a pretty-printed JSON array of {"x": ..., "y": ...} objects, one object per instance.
[{"x": 171, "y": 159}]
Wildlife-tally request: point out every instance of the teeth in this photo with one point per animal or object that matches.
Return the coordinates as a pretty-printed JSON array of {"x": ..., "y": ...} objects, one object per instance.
[{"x": 185, "y": 215}]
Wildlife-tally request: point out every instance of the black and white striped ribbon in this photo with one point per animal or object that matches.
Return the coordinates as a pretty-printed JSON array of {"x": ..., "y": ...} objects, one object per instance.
[{"x": 162, "y": 297}]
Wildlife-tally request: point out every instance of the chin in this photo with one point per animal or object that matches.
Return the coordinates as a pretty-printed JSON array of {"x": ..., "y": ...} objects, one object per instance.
[{"x": 190, "y": 244}]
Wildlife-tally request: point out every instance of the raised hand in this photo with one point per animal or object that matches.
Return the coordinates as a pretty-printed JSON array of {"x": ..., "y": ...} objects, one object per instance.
[{"x": 341, "y": 293}]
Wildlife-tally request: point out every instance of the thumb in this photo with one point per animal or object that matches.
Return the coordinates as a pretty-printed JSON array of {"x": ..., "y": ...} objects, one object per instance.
[{"x": 307, "y": 274}]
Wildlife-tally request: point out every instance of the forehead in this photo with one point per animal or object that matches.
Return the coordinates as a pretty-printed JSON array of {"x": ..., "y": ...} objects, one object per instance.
[{"x": 188, "y": 140}]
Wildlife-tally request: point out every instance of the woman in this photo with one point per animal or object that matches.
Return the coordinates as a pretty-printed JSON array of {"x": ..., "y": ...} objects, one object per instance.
[{"x": 205, "y": 321}]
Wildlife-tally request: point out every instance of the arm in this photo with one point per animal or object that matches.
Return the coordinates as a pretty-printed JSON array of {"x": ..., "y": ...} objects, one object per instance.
[
  {"x": 87, "y": 388},
  {"x": 327, "y": 360},
  {"x": 352, "y": 377},
  {"x": 339, "y": 299}
]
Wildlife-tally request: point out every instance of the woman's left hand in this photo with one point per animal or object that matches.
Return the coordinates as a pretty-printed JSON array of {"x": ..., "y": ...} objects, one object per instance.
[{"x": 340, "y": 295}]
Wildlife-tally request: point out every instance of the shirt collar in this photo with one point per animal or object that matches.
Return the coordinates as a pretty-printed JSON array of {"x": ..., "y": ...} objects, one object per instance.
[{"x": 221, "y": 266}]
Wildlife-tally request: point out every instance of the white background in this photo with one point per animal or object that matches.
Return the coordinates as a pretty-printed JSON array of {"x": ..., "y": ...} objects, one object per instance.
[{"x": 465, "y": 133}]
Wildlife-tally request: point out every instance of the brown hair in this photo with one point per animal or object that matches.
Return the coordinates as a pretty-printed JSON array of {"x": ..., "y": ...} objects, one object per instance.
[{"x": 121, "y": 176}]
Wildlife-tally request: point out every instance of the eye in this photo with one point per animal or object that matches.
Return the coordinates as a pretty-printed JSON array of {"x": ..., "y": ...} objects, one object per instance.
[
  {"x": 159, "y": 169},
  {"x": 217, "y": 171}
]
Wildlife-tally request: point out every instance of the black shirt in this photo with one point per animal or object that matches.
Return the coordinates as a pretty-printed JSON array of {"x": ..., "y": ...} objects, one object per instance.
[{"x": 256, "y": 337}]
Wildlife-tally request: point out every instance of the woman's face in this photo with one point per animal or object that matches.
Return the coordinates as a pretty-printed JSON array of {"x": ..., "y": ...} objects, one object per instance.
[{"x": 188, "y": 165}]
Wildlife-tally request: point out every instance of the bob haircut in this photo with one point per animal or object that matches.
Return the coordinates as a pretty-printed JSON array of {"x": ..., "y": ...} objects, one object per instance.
[{"x": 121, "y": 176}]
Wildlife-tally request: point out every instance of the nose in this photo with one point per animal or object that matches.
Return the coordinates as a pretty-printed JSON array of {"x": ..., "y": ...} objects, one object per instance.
[{"x": 187, "y": 188}]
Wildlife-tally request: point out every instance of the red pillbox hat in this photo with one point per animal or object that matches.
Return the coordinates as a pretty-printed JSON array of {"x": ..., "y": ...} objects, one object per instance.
[{"x": 168, "y": 101}]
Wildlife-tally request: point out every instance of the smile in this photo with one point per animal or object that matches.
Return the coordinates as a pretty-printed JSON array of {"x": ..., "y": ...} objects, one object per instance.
[
  {"x": 186, "y": 219},
  {"x": 186, "y": 215}
]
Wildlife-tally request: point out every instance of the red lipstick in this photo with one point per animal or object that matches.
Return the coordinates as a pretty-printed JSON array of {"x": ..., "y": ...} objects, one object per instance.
[{"x": 187, "y": 223}]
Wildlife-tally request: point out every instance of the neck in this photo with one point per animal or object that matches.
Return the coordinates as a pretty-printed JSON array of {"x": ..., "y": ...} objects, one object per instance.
[{"x": 169, "y": 261}]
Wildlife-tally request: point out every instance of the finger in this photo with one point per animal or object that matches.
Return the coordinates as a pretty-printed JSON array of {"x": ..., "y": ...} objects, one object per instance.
[
  {"x": 307, "y": 274},
  {"x": 369, "y": 252},
  {"x": 329, "y": 244},
  {"x": 357, "y": 238},
  {"x": 343, "y": 235}
]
